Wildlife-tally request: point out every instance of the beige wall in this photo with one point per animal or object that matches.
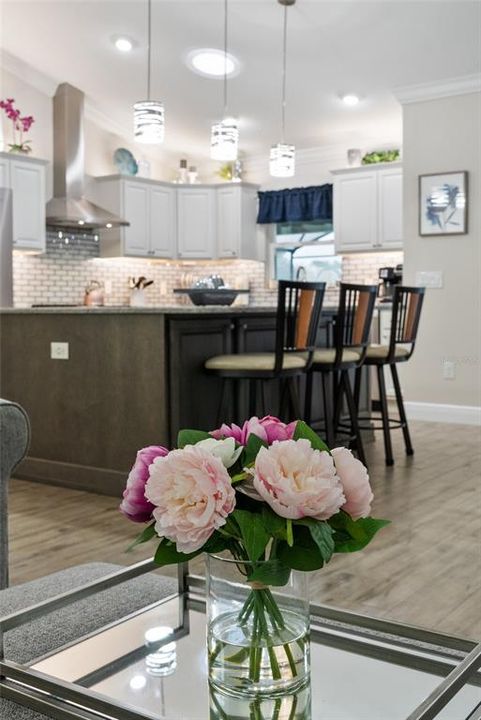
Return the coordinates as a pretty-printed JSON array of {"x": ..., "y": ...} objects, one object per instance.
[{"x": 442, "y": 135}]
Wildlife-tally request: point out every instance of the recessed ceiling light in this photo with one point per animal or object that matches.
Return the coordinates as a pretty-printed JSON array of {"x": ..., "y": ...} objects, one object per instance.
[
  {"x": 350, "y": 100},
  {"x": 123, "y": 43},
  {"x": 210, "y": 62}
]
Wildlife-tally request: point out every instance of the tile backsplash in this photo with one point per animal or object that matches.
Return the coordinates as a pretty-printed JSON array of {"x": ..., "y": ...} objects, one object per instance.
[{"x": 61, "y": 275}]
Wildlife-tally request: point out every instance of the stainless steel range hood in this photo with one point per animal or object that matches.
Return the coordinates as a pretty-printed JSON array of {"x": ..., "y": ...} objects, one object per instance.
[{"x": 69, "y": 208}]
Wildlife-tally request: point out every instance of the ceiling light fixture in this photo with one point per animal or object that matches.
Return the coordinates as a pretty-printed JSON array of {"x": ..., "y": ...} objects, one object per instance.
[
  {"x": 123, "y": 43},
  {"x": 224, "y": 140},
  {"x": 212, "y": 63},
  {"x": 350, "y": 100},
  {"x": 282, "y": 159},
  {"x": 149, "y": 118}
]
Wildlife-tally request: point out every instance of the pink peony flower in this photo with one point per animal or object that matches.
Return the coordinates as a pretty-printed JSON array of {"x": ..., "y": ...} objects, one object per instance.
[
  {"x": 268, "y": 429},
  {"x": 355, "y": 481},
  {"x": 192, "y": 494},
  {"x": 298, "y": 481},
  {"x": 134, "y": 505}
]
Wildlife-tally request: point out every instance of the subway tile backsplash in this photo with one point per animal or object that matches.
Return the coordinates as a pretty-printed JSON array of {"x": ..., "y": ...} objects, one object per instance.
[{"x": 61, "y": 275}]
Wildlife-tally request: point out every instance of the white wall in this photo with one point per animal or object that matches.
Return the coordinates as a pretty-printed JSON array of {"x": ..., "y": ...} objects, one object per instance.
[{"x": 442, "y": 135}]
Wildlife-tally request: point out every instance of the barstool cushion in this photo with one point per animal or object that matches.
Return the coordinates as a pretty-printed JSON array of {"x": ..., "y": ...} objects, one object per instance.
[
  {"x": 382, "y": 351},
  {"x": 255, "y": 361},
  {"x": 328, "y": 355}
]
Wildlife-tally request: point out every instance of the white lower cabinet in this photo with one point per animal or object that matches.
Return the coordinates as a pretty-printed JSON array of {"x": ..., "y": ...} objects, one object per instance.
[
  {"x": 26, "y": 178},
  {"x": 368, "y": 208}
]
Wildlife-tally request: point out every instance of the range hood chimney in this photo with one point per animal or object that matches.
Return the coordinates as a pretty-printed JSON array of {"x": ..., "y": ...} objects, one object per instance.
[{"x": 69, "y": 208}]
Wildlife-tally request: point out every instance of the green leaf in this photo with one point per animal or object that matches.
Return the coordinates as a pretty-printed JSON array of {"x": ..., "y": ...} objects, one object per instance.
[
  {"x": 271, "y": 572},
  {"x": 191, "y": 437},
  {"x": 322, "y": 534},
  {"x": 303, "y": 555},
  {"x": 254, "y": 444},
  {"x": 147, "y": 534},
  {"x": 254, "y": 535},
  {"x": 303, "y": 431},
  {"x": 167, "y": 554},
  {"x": 353, "y": 535},
  {"x": 289, "y": 533},
  {"x": 274, "y": 525}
]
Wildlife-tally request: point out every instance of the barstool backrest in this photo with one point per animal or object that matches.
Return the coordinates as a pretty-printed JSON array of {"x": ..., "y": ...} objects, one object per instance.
[
  {"x": 299, "y": 307},
  {"x": 353, "y": 322},
  {"x": 406, "y": 312}
]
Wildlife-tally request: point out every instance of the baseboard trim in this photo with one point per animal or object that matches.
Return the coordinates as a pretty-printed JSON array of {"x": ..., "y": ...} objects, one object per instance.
[
  {"x": 438, "y": 412},
  {"x": 77, "y": 477}
]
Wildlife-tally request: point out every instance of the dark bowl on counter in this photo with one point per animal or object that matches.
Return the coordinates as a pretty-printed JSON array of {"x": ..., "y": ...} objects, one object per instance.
[{"x": 211, "y": 296}]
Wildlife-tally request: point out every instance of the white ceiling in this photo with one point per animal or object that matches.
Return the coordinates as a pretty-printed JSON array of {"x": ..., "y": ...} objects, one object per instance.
[{"x": 367, "y": 48}]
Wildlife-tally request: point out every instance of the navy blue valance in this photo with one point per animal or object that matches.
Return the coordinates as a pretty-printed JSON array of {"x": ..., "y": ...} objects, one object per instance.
[{"x": 296, "y": 204}]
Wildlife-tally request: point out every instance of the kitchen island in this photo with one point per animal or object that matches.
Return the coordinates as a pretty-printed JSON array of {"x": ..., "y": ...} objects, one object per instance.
[{"x": 133, "y": 377}]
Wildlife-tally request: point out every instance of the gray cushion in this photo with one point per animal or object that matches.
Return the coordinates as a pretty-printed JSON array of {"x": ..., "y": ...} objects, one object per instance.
[
  {"x": 255, "y": 361},
  {"x": 38, "y": 637}
]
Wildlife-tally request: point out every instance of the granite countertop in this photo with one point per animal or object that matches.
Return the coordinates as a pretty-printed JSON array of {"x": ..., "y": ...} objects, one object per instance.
[{"x": 161, "y": 310}]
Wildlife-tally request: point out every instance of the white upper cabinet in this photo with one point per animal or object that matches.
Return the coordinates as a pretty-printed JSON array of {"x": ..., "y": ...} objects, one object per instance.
[
  {"x": 196, "y": 222},
  {"x": 26, "y": 178},
  {"x": 236, "y": 221},
  {"x": 163, "y": 221},
  {"x": 368, "y": 208},
  {"x": 148, "y": 206},
  {"x": 390, "y": 219},
  {"x": 185, "y": 221}
]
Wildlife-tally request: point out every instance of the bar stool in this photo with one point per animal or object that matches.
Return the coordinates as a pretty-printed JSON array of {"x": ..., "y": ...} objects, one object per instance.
[
  {"x": 298, "y": 311},
  {"x": 351, "y": 337},
  {"x": 406, "y": 311}
]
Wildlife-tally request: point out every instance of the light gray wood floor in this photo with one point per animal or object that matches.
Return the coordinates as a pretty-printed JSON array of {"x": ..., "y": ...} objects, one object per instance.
[{"x": 424, "y": 569}]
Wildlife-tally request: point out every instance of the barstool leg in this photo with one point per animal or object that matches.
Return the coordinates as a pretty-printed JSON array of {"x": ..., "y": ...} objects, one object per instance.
[
  {"x": 263, "y": 397},
  {"x": 357, "y": 387},
  {"x": 308, "y": 397},
  {"x": 402, "y": 413},
  {"x": 221, "y": 410},
  {"x": 356, "y": 431},
  {"x": 385, "y": 416},
  {"x": 328, "y": 412},
  {"x": 252, "y": 397},
  {"x": 283, "y": 401},
  {"x": 293, "y": 399},
  {"x": 338, "y": 397}
]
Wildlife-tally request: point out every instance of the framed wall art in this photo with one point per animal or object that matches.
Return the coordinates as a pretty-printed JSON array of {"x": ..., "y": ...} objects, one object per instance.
[{"x": 443, "y": 203}]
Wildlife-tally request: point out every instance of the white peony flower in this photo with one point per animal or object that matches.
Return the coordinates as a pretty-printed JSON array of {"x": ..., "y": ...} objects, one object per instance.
[{"x": 225, "y": 449}]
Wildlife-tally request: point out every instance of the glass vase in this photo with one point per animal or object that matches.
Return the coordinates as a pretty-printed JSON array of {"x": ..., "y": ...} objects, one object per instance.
[{"x": 257, "y": 634}]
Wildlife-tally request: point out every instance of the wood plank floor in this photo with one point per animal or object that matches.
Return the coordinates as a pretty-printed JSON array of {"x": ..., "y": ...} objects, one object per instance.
[{"x": 424, "y": 569}]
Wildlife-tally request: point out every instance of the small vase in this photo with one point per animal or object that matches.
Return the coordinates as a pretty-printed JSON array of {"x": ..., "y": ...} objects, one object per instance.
[
  {"x": 20, "y": 149},
  {"x": 138, "y": 297},
  {"x": 257, "y": 635}
]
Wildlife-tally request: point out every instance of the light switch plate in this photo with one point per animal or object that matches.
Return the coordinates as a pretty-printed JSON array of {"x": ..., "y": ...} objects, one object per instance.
[
  {"x": 430, "y": 278},
  {"x": 59, "y": 350},
  {"x": 449, "y": 370}
]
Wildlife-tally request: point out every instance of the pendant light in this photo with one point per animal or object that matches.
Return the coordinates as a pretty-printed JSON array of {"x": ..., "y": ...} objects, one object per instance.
[
  {"x": 224, "y": 141},
  {"x": 282, "y": 159},
  {"x": 149, "y": 121}
]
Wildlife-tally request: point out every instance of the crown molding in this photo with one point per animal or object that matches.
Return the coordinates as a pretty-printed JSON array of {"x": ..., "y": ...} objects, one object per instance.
[
  {"x": 462, "y": 85},
  {"x": 38, "y": 80}
]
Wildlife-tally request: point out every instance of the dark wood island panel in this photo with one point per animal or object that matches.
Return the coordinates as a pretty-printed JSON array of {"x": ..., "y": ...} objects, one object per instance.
[{"x": 133, "y": 378}]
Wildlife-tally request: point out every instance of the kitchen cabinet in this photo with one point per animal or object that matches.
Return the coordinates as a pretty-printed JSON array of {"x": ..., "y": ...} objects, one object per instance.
[
  {"x": 149, "y": 207},
  {"x": 26, "y": 178},
  {"x": 368, "y": 208},
  {"x": 236, "y": 221},
  {"x": 168, "y": 220},
  {"x": 196, "y": 222}
]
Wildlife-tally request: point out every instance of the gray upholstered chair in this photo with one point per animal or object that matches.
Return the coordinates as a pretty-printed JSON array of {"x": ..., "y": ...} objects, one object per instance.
[{"x": 38, "y": 637}]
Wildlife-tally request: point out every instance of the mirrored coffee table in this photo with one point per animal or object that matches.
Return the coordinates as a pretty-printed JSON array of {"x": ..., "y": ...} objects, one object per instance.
[{"x": 152, "y": 665}]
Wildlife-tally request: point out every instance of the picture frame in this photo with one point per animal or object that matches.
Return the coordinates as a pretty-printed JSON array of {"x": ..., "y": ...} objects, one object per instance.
[{"x": 443, "y": 203}]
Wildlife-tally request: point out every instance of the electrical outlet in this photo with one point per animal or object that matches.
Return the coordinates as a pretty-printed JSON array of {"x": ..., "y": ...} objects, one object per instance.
[
  {"x": 59, "y": 351},
  {"x": 430, "y": 278},
  {"x": 449, "y": 370}
]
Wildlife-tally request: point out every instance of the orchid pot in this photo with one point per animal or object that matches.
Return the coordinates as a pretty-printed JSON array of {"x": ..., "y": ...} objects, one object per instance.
[{"x": 257, "y": 632}]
